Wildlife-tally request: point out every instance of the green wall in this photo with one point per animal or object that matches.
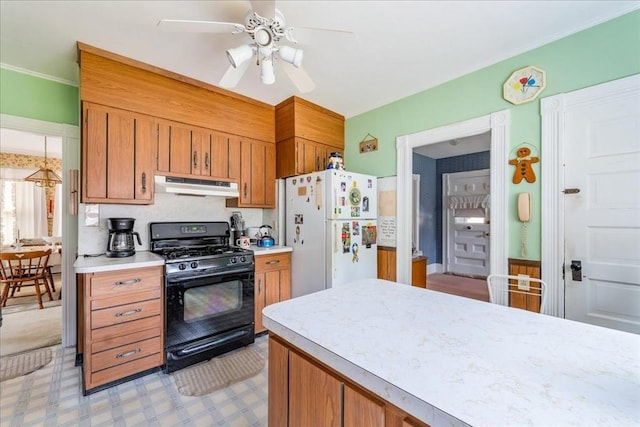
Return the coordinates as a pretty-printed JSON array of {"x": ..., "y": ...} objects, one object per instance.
[
  {"x": 602, "y": 53},
  {"x": 35, "y": 98}
]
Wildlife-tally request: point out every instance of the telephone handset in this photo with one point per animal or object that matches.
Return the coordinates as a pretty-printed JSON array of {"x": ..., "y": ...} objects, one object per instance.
[
  {"x": 524, "y": 215},
  {"x": 524, "y": 207}
]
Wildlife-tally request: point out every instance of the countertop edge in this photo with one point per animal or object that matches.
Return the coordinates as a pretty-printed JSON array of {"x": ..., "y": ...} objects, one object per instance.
[
  {"x": 258, "y": 251},
  {"x": 385, "y": 390},
  {"x": 140, "y": 259}
]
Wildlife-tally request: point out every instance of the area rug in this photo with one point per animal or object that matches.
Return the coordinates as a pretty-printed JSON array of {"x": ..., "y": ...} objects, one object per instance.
[
  {"x": 23, "y": 364},
  {"x": 219, "y": 372},
  {"x": 29, "y": 330}
]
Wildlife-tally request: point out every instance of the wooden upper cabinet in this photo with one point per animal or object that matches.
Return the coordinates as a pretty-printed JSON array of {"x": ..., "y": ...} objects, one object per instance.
[
  {"x": 257, "y": 184},
  {"x": 117, "y": 156},
  {"x": 193, "y": 152},
  {"x": 305, "y": 136}
]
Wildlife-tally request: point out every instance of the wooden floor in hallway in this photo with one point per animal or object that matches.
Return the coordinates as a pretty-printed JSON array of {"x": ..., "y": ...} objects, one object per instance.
[{"x": 459, "y": 285}]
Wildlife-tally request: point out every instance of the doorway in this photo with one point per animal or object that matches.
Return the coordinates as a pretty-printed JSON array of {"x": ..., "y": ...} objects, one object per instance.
[
  {"x": 70, "y": 161},
  {"x": 590, "y": 138},
  {"x": 498, "y": 126}
]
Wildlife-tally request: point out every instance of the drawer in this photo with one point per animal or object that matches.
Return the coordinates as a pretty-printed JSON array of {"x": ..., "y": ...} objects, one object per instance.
[
  {"x": 273, "y": 262},
  {"x": 133, "y": 280},
  {"x": 125, "y": 353},
  {"x": 125, "y": 298},
  {"x": 123, "y": 370},
  {"x": 111, "y": 336},
  {"x": 125, "y": 313}
]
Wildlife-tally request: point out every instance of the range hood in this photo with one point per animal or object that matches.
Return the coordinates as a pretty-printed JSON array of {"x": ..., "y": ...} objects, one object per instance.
[{"x": 196, "y": 187}]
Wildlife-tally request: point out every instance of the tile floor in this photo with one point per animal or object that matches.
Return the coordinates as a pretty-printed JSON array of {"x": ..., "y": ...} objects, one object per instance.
[{"x": 52, "y": 396}]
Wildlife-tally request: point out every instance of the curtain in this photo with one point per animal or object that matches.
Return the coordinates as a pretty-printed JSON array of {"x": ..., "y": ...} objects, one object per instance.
[{"x": 23, "y": 206}]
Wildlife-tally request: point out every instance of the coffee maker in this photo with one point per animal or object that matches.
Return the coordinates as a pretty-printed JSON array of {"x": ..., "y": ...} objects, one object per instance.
[{"x": 121, "y": 234}]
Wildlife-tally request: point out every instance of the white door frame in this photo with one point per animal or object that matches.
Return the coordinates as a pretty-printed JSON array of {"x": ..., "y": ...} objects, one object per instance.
[
  {"x": 70, "y": 160},
  {"x": 498, "y": 124},
  {"x": 552, "y": 171}
]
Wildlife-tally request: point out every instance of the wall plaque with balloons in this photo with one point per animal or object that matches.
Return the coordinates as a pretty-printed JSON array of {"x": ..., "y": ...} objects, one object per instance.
[{"x": 524, "y": 85}]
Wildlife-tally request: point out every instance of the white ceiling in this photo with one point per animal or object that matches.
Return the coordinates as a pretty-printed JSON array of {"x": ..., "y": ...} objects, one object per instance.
[{"x": 400, "y": 47}]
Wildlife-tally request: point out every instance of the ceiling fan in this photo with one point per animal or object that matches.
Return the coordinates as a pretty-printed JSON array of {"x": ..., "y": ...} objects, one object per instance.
[{"x": 266, "y": 27}]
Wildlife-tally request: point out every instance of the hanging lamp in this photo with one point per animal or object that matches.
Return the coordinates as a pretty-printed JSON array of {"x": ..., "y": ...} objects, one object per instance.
[{"x": 44, "y": 177}]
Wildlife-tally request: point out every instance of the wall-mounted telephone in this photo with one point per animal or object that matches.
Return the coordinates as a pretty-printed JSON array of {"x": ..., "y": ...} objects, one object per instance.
[
  {"x": 524, "y": 215},
  {"x": 524, "y": 207}
]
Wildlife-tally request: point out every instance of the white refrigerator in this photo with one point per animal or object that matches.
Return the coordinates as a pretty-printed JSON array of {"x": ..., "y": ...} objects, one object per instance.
[{"x": 330, "y": 223}]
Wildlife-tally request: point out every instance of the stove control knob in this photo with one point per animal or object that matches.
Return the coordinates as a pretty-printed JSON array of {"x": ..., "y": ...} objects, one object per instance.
[
  {"x": 243, "y": 258},
  {"x": 194, "y": 264},
  {"x": 233, "y": 260},
  {"x": 182, "y": 266}
]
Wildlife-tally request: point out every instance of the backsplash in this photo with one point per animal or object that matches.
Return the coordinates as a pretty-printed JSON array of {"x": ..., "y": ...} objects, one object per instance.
[{"x": 167, "y": 207}]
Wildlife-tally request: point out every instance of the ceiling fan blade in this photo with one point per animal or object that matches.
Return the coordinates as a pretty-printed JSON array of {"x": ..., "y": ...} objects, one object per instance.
[
  {"x": 264, "y": 8},
  {"x": 233, "y": 75},
  {"x": 299, "y": 77},
  {"x": 309, "y": 35},
  {"x": 188, "y": 26}
]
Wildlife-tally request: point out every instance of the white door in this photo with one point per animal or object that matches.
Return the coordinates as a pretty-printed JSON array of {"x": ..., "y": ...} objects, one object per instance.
[
  {"x": 466, "y": 214},
  {"x": 602, "y": 211}
]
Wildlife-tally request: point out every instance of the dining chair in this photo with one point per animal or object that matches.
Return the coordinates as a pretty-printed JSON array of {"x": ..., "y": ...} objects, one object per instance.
[
  {"x": 24, "y": 268},
  {"x": 523, "y": 292}
]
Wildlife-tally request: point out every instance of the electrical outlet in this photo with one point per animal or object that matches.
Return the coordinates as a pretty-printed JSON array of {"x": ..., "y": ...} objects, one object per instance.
[{"x": 523, "y": 284}]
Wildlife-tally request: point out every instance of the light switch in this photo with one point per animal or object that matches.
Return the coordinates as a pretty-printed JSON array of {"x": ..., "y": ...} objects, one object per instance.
[{"x": 523, "y": 284}]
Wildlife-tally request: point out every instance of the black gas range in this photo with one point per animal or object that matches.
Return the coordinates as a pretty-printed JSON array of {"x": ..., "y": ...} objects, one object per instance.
[{"x": 209, "y": 290}]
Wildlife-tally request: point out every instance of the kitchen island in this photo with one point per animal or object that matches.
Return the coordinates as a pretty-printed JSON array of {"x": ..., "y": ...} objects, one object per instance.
[{"x": 448, "y": 360}]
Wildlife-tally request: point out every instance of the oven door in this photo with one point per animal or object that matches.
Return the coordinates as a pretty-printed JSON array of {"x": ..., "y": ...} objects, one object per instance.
[{"x": 208, "y": 315}]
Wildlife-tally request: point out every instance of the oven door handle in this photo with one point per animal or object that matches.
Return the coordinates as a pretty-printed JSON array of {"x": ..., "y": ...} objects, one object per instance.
[
  {"x": 241, "y": 274},
  {"x": 203, "y": 346}
]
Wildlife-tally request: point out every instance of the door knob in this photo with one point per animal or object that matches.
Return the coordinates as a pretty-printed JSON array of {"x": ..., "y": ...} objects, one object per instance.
[{"x": 576, "y": 271}]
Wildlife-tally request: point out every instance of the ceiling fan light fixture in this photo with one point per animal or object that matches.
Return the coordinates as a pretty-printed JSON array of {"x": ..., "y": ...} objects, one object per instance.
[
  {"x": 266, "y": 71},
  {"x": 239, "y": 55},
  {"x": 291, "y": 55}
]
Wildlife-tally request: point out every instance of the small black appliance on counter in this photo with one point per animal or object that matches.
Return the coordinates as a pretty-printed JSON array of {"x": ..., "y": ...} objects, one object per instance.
[{"x": 120, "y": 243}]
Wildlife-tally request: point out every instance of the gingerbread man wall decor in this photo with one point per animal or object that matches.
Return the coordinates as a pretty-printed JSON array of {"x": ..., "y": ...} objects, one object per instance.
[{"x": 523, "y": 163}]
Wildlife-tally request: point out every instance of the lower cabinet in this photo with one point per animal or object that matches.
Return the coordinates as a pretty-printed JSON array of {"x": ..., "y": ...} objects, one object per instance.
[
  {"x": 120, "y": 324},
  {"x": 304, "y": 392},
  {"x": 272, "y": 282},
  {"x": 387, "y": 267}
]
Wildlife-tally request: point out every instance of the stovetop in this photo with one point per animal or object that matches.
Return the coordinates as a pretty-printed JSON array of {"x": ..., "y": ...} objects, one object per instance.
[{"x": 192, "y": 249}]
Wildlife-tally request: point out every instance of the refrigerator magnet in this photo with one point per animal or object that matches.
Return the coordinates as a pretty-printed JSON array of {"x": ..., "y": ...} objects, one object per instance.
[
  {"x": 346, "y": 238},
  {"x": 299, "y": 218},
  {"x": 369, "y": 235},
  {"x": 355, "y": 212},
  {"x": 355, "y": 226},
  {"x": 365, "y": 204},
  {"x": 354, "y": 251}
]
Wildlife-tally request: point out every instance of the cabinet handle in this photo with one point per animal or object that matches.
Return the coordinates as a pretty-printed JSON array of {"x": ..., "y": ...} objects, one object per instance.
[
  {"x": 144, "y": 182},
  {"x": 317, "y": 163},
  {"x": 195, "y": 159},
  {"x": 128, "y": 353},
  {"x": 206, "y": 161},
  {"x": 259, "y": 286},
  {"x": 128, "y": 282},
  {"x": 274, "y": 261},
  {"x": 128, "y": 313},
  {"x": 245, "y": 189}
]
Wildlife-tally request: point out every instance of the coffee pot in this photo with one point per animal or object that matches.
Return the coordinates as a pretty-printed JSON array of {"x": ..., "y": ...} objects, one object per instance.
[{"x": 120, "y": 243}]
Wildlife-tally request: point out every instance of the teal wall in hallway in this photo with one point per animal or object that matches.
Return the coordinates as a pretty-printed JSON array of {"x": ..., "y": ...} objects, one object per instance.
[
  {"x": 36, "y": 98},
  {"x": 602, "y": 53}
]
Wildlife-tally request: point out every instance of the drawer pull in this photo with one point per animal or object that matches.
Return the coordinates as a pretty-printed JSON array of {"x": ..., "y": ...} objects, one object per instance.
[
  {"x": 128, "y": 313},
  {"x": 128, "y": 282},
  {"x": 274, "y": 261},
  {"x": 128, "y": 353}
]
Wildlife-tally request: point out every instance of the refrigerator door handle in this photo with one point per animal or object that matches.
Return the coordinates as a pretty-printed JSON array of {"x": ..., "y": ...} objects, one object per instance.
[{"x": 335, "y": 237}]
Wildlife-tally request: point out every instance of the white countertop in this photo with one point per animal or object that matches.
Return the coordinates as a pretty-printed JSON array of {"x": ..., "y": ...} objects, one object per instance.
[
  {"x": 450, "y": 360},
  {"x": 102, "y": 263},
  {"x": 257, "y": 250}
]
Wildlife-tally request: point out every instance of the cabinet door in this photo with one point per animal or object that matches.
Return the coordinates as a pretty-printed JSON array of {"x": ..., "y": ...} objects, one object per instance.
[
  {"x": 260, "y": 290},
  {"x": 117, "y": 155},
  {"x": 314, "y": 395},
  {"x": 234, "y": 158},
  {"x": 257, "y": 174},
  {"x": 219, "y": 160},
  {"x": 361, "y": 410},
  {"x": 200, "y": 153},
  {"x": 278, "y": 384}
]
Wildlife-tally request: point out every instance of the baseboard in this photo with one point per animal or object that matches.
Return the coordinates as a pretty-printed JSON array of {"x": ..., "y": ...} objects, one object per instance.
[{"x": 435, "y": 268}]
